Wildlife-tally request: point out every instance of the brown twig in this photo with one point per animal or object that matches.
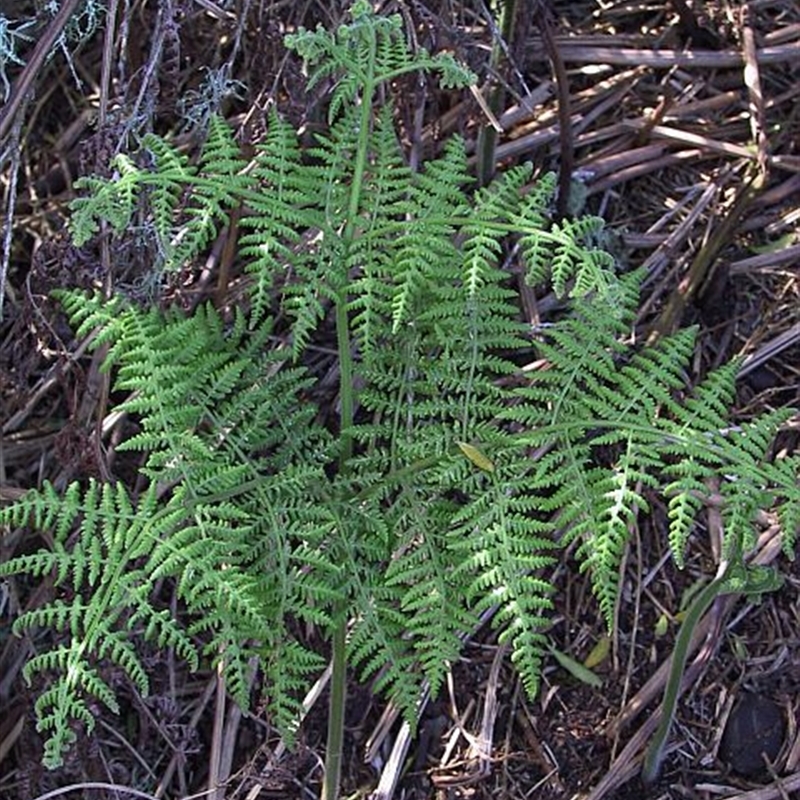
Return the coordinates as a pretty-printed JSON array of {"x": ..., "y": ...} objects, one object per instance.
[
  {"x": 575, "y": 52},
  {"x": 565, "y": 137},
  {"x": 704, "y": 262},
  {"x": 25, "y": 80},
  {"x": 752, "y": 80}
]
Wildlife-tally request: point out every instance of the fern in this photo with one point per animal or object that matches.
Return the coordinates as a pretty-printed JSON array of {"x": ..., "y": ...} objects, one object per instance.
[
  {"x": 368, "y": 52},
  {"x": 283, "y": 209},
  {"x": 103, "y": 563},
  {"x": 749, "y": 480},
  {"x": 218, "y": 187},
  {"x": 612, "y": 431},
  {"x": 188, "y": 202},
  {"x": 113, "y": 201},
  {"x": 452, "y": 481},
  {"x": 232, "y": 531},
  {"x": 439, "y": 185}
]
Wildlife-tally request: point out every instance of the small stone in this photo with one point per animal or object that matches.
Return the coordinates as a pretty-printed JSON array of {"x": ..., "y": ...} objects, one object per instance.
[{"x": 756, "y": 727}]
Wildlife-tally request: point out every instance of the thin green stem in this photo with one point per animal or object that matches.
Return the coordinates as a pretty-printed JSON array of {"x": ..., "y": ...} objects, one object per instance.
[
  {"x": 655, "y": 752},
  {"x": 734, "y": 577},
  {"x": 346, "y": 391},
  {"x": 336, "y": 705},
  {"x": 338, "y": 696},
  {"x": 487, "y": 136}
]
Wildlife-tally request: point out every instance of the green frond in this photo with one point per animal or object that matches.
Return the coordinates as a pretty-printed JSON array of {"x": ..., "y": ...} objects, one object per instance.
[
  {"x": 533, "y": 218},
  {"x": 112, "y": 200},
  {"x": 60, "y": 706},
  {"x": 58, "y": 615},
  {"x": 282, "y": 210},
  {"x": 218, "y": 186},
  {"x": 44, "y": 509},
  {"x": 577, "y": 257},
  {"x": 606, "y": 529},
  {"x": 371, "y": 252},
  {"x": 65, "y": 701},
  {"x": 788, "y": 503},
  {"x": 580, "y": 354},
  {"x": 453, "y": 480},
  {"x": 567, "y": 253},
  {"x": 288, "y": 666},
  {"x": 647, "y": 383},
  {"x": 368, "y": 51},
  {"x": 188, "y": 203},
  {"x": 685, "y": 504},
  {"x": 172, "y": 173},
  {"x": 706, "y": 408},
  {"x": 751, "y": 480},
  {"x": 159, "y": 627},
  {"x": 507, "y": 548},
  {"x": 376, "y": 646},
  {"x": 615, "y": 429},
  {"x": 216, "y": 415},
  {"x": 499, "y": 202},
  {"x": 427, "y": 237},
  {"x": 423, "y": 570},
  {"x": 691, "y": 428}
]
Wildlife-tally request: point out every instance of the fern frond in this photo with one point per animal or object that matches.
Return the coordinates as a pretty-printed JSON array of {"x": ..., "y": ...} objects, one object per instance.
[
  {"x": 219, "y": 185},
  {"x": 576, "y": 256},
  {"x": 749, "y": 480},
  {"x": 614, "y": 429},
  {"x": 282, "y": 210},
  {"x": 171, "y": 188},
  {"x": 788, "y": 505},
  {"x": 376, "y": 646},
  {"x": 64, "y": 702},
  {"x": 691, "y": 428},
  {"x": 288, "y": 666},
  {"x": 483, "y": 243},
  {"x": 568, "y": 253},
  {"x": 371, "y": 252},
  {"x": 617, "y": 497},
  {"x": 579, "y": 355},
  {"x": 221, "y": 422},
  {"x": 114, "y": 534},
  {"x": 368, "y": 51},
  {"x": 111, "y": 200},
  {"x": 508, "y": 551},
  {"x": 423, "y": 570},
  {"x": 171, "y": 175}
]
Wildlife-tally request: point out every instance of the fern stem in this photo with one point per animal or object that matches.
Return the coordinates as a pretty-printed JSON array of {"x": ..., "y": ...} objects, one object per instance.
[
  {"x": 487, "y": 136},
  {"x": 335, "y": 743},
  {"x": 342, "y": 322},
  {"x": 655, "y": 752},
  {"x": 338, "y": 697},
  {"x": 346, "y": 392}
]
